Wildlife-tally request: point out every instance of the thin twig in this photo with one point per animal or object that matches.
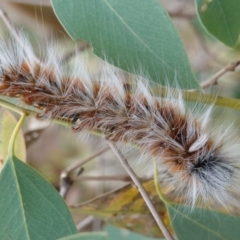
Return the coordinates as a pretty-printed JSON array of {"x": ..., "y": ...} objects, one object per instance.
[
  {"x": 85, "y": 222},
  {"x": 83, "y": 162},
  {"x": 142, "y": 191},
  {"x": 66, "y": 181},
  {"x": 41, "y": 3},
  {"x": 101, "y": 164},
  {"x": 124, "y": 178},
  {"x": 104, "y": 195},
  {"x": 231, "y": 67},
  {"x": 64, "y": 186},
  {"x": 180, "y": 14}
]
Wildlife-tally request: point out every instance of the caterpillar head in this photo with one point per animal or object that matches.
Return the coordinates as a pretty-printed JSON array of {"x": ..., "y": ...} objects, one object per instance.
[{"x": 201, "y": 167}]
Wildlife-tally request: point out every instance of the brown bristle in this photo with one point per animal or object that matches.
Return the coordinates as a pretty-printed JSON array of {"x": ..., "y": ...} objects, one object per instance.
[{"x": 25, "y": 68}]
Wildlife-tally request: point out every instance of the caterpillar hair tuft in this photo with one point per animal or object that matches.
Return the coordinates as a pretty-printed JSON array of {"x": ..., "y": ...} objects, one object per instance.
[{"x": 196, "y": 163}]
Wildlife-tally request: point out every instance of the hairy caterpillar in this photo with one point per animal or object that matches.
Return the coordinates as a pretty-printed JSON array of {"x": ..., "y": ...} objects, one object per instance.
[{"x": 196, "y": 163}]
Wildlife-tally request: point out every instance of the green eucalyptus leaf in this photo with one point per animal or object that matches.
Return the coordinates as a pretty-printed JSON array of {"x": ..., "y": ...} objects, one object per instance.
[
  {"x": 30, "y": 208},
  {"x": 199, "y": 224},
  {"x": 136, "y": 36},
  {"x": 221, "y": 19},
  {"x": 124, "y": 234}
]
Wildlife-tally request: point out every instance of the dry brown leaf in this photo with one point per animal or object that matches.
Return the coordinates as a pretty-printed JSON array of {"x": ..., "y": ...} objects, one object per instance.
[{"x": 125, "y": 208}]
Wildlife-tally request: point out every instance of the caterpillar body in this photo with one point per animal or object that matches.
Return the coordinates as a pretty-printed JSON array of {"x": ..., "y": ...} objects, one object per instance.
[{"x": 196, "y": 163}]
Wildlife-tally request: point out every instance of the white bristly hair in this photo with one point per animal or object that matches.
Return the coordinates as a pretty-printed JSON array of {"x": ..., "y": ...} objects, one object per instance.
[{"x": 196, "y": 162}]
